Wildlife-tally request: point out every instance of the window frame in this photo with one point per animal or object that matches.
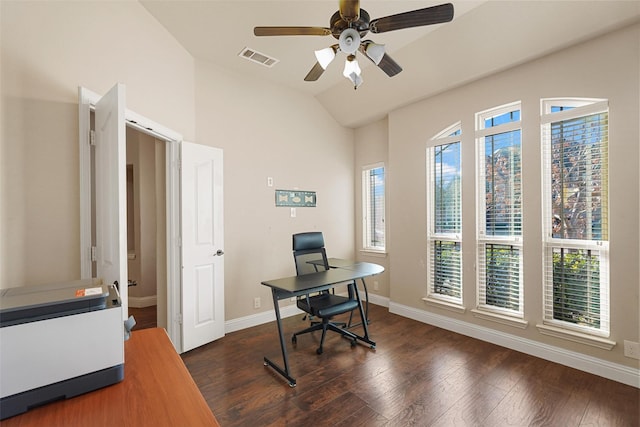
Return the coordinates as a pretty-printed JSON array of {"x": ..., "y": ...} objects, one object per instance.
[
  {"x": 450, "y": 135},
  {"x": 579, "y": 108},
  {"x": 367, "y": 238},
  {"x": 514, "y": 317}
]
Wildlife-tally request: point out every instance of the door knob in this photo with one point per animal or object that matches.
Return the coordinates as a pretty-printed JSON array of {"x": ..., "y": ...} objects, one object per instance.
[{"x": 219, "y": 252}]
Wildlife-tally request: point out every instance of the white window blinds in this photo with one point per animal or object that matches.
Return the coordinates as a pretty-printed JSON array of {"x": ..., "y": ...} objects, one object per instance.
[
  {"x": 444, "y": 199},
  {"x": 576, "y": 214},
  {"x": 499, "y": 203},
  {"x": 373, "y": 208}
]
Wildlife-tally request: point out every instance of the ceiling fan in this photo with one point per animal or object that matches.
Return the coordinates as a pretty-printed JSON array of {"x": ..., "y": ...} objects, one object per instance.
[{"x": 349, "y": 25}]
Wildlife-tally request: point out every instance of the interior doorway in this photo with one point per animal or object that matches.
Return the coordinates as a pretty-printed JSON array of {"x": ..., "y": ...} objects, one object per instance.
[
  {"x": 169, "y": 297},
  {"x": 146, "y": 229},
  {"x": 194, "y": 233}
]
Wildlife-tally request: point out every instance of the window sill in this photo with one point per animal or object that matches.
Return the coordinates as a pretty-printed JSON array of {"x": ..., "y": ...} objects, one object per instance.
[
  {"x": 499, "y": 318},
  {"x": 373, "y": 253},
  {"x": 554, "y": 331},
  {"x": 444, "y": 304}
]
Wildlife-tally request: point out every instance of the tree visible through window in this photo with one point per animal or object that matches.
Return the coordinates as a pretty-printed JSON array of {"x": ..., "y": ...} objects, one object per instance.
[
  {"x": 575, "y": 144},
  {"x": 498, "y": 136}
]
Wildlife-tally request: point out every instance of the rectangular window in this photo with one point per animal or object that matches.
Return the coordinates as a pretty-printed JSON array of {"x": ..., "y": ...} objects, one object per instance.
[
  {"x": 373, "y": 232},
  {"x": 575, "y": 215},
  {"x": 500, "y": 284},
  {"x": 444, "y": 195},
  {"x": 502, "y": 276}
]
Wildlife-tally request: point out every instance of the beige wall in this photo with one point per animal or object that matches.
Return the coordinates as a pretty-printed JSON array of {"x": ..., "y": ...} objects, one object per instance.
[
  {"x": 606, "y": 67},
  {"x": 48, "y": 49},
  {"x": 371, "y": 147},
  {"x": 268, "y": 131}
]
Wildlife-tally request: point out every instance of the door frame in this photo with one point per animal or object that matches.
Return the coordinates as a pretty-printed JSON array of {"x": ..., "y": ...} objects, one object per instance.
[{"x": 86, "y": 103}]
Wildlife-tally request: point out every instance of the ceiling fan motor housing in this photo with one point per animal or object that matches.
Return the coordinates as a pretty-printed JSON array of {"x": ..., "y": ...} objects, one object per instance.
[{"x": 338, "y": 25}]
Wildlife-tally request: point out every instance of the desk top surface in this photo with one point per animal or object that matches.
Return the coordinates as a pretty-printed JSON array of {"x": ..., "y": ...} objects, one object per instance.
[
  {"x": 157, "y": 390},
  {"x": 345, "y": 272}
]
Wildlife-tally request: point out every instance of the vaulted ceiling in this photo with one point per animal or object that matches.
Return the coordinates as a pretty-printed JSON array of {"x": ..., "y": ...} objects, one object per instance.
[{"x": 484, "y": 37}]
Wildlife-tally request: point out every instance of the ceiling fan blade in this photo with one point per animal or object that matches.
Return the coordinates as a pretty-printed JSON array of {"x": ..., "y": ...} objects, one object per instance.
[
  {"x": 389, "y": 66},
  {"x": 414, "y": 18},
  {"x": 350, "y": 10},
  {"x": 291, "y": 31},
  {"x": 315, "y": 73}
]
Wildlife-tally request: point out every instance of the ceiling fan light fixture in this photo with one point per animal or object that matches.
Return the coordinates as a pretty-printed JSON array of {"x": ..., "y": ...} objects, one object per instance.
[
  {"x": 349, "y": 24},
  {"x": 349, "y": 41},
  {"x": 352, "y": 71},
  {"x": 325, "y": 56},
  {"x": 375, "y": 52}
]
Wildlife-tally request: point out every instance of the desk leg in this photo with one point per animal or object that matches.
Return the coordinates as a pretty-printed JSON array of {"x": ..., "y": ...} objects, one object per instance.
[
  {"x": 284, "y": 372},
  {"x": 366, "y": 307},
  {"x": 366, "y": 296},
  {"x": 364, "y": 321}
]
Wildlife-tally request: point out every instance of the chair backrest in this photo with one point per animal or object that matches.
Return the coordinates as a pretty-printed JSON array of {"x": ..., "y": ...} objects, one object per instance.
[{"x": 309, "y": 253}]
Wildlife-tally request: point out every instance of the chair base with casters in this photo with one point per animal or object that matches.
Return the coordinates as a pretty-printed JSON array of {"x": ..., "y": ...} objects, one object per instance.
[
  {"x": 303, "y": 304},
  {"x": 325, "y": 306}
]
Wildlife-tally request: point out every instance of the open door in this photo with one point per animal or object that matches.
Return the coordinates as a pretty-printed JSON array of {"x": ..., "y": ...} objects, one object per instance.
[
  {"x": 111, "y": 220},
  {"x": 202, "y": 245}
]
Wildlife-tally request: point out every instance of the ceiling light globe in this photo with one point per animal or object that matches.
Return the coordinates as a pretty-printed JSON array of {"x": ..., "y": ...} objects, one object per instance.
[
  {"x": 352, "y": 71},
  {"x": 351, "y": 66},
  {"x": 349, "y": 41},
  {"x": 375, "y": 52},
  {"x": 325, "y": 56}
]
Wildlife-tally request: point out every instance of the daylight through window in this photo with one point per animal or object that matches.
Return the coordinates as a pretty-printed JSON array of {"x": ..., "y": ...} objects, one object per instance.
[
  {"x": 575, "y": 214},
  {"x": 373, "y": 208},
  {"x": 498, "y": 138},
  {"x": 444, "y": 210}
]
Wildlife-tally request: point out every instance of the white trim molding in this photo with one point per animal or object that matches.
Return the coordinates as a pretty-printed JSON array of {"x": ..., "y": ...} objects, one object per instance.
[
  {"x": 498, "y": 318},
  {"x": 451, "y": 306},
  {"x": 240, "y": 323},
  {"x": 613, "y": 371},
  {"x": 377, "y": 300},
  {"x": 566, "y": 334},
  {"x": 245, "y": 322},
  {"x": 142, "y": 302}
]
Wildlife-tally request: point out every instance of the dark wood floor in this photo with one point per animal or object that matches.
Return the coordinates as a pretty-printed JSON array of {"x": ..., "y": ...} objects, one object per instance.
[
  {"x": 418, "y": 375},
  {"x": 145, "y": 317}
]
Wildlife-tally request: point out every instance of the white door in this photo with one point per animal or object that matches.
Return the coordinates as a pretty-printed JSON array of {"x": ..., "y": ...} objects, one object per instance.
[
  {"x": 202, "y": 245},
  {"x": 111, "y": 208}
]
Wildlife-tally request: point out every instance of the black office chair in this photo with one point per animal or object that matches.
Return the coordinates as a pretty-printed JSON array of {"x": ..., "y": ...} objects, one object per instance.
[{"x": 310, "y": 257}]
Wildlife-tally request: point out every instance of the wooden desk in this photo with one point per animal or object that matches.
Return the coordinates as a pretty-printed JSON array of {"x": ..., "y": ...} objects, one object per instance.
[
  {"x": 157, "y": 390},
  {"x": 314, "y": 282}
]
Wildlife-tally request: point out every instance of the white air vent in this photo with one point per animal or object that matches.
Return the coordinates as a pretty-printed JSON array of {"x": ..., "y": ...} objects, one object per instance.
[{"x": 258, "y": 57}]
